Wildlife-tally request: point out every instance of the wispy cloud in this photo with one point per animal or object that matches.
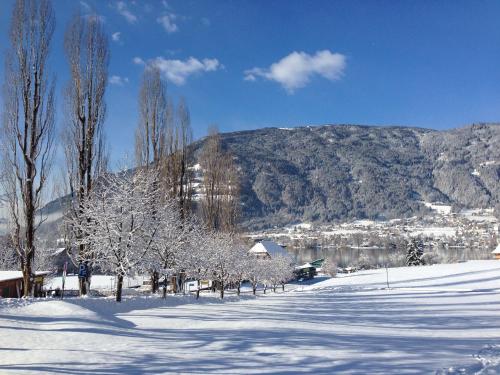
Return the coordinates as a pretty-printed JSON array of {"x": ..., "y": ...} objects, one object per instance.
[
  {"x": 168, "y": 22},
  {"x": 296, "y": 70},
  {"x": 178, "y": 71},
  {"x": 117, "y": 80},
  {"x": 85, "y": 6},
  {"x": 123, "y": 10},
  {"x": 206, "y": 21},
  {"x": 115, "y": 37}
]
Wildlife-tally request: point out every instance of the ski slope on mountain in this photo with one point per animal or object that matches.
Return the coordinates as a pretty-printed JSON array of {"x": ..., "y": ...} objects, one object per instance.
[{"x": 433, "y": 318}]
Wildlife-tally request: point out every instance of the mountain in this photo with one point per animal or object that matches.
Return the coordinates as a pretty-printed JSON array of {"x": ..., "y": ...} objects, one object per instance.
[
  {"x": 336, "y": 173},
  {"x": 342, "y": 172}
]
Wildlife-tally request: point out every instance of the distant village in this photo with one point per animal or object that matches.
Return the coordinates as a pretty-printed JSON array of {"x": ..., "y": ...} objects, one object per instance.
[{"x": 447, "y": 236}]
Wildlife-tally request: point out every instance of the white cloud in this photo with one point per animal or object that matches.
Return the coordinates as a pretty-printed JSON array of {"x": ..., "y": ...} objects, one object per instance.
[
  {"x": 168, "y": 22},
  {"x": 117, "y": 80},
  {"x": 178, "y": 71},
  {"x": 122, "y": 8},
  {"x": 116, "y": 36},
  {"x": 296, "y": 70},
  {"x": 138, "y": 61}
]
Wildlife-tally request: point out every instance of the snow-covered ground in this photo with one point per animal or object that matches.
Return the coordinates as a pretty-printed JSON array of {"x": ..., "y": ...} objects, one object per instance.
[{"x": 434, "y": 318}]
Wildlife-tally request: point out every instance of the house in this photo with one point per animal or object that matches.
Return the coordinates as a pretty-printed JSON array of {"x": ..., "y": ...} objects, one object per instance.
[
  {"x": 59, "y": 257},
  {"x": 305, "y": 272},
  {"x": 267, "y": 249},
  {"x": 11, "y": 284},
  {"x": 496, "y": 252}
]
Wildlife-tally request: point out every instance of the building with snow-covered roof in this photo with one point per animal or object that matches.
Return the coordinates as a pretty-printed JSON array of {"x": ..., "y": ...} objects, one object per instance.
[
  {"x": 496, "y": 252},
  {"x": 267, "y": 249},
  {"x": 11, "y": 284}
]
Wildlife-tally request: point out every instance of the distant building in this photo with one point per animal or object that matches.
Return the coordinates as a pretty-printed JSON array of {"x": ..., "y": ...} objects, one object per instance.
[
  {"x": 59, "y": 257},
  {"x": 267, "y": 249},
  {"x": 11, "y": 284},
  {"x": 496, "y": 252}
]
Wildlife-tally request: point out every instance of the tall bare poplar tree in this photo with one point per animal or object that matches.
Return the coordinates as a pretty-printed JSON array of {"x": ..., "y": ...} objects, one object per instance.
[
  {"x": 86, "y": 46},
  {"x": 151, "y": 133},
  {"x": 28, "y": 123},
  {"x": 220, "y": 203},
  {"x": 150, "y": 136},
  {"x": 185, "y": 137}
]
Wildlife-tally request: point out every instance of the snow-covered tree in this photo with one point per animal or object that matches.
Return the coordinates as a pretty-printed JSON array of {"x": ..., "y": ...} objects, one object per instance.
[
  {"x": 414, "y": 252},
  {"x": 278, "y": 270},
  {"x": 240, "y": 263},
  {"x": 9, "y": 259},
  {"x": 329, "y": 267},
  {"x": 120, "y": 229},
  {"x": 169, "y": 239},
  {"x": 257, "y": 272},
  {"x": 221, "y": 258}
]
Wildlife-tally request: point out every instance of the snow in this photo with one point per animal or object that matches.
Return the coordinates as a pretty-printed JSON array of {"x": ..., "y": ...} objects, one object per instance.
[
  {"x": 433, "y": 318},
  {"x": 98, "y": 282},
  {"x": 489, "y": 162},
  {"x": 196, "y": 167},
  {"x": 435, "y": 232},
  {"x": 306, "y": 226},
  {"x": 479, "y": 215},
  {"x": 441, "y": 208}
]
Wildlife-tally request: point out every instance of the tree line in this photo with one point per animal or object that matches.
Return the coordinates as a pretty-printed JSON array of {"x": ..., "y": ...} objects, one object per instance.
[{"x": 163, "y": 158}]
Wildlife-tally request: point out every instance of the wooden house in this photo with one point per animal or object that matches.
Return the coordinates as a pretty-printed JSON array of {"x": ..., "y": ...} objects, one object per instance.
[{"x": 11, "y": 284}]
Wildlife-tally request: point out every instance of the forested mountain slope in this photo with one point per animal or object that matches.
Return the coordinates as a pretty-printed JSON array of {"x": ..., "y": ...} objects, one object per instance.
[{"x": 341, "y": 172}]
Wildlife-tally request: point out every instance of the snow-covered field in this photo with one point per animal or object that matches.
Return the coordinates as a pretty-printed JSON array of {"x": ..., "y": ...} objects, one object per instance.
[{"x": 433, "y": 318}]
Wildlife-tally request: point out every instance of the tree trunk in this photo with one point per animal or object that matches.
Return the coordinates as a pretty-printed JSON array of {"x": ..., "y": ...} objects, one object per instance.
[
  {"x": 119, "y": 287},
  {"x": 283, "y": 286},
  {"x": 254, "y": 289},
  {"x": 222, "y": 289},
  {"x": 165, "y": 287},
  {"x": 198, "y": 293},
  {"x": 239, "y": 288},
  {"x": 27, "y": 278},
  {"x": 155, "y": 285}
]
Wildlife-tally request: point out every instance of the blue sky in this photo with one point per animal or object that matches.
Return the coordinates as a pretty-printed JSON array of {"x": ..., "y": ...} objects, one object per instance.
[{"x": 250, "y": 64}]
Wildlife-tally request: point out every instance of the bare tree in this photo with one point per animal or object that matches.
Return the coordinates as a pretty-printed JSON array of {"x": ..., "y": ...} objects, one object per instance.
[
  {"x": 185, "y": 137},
  {"x": 150, "y": 135},
  {"x": 176, "y": 172},
  {"x": 28, "y": 124},
  {"x": 154, "y": 113},
  {"x": 86, "y": 46},
  {"x": 220, "y": 203}
]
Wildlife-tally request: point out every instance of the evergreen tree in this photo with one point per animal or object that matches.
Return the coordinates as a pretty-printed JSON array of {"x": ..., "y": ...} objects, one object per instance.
[{"x": 414, "y": 252}]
